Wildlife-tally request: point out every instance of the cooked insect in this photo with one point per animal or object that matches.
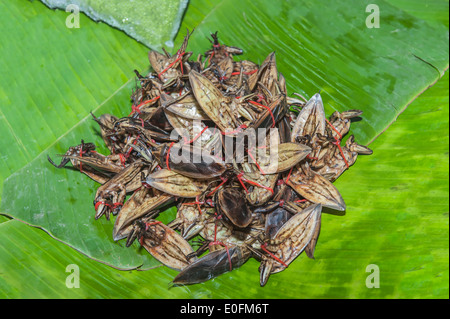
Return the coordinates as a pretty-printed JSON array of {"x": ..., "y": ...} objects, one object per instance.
[{"x": 247, "y": 167}]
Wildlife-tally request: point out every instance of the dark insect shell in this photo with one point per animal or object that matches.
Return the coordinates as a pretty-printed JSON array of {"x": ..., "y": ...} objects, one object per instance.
[{"x": 231, "y": 203}]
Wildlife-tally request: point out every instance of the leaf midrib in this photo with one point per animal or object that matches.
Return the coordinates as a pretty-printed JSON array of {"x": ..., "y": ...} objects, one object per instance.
[
  {"x": 408, "y": 104},
  {"x": 70, "y": 130}
]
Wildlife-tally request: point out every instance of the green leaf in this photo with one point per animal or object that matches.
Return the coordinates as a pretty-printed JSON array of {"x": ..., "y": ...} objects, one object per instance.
[
  {"x": 433, "y": 11},
  {"x": 54, "y": 76},
  {"x": 153, "y": 23},
  {"x": 328, "y": 48},
  {"x": 398, "y": 198},
  {"x": 35, "y": 266},
  {"x": 319, "y": 46},
  {"x": 51, "y": 82}
]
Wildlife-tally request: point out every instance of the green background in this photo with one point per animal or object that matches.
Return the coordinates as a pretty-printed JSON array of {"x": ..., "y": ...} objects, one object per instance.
[{"x": 397, "y": 199}]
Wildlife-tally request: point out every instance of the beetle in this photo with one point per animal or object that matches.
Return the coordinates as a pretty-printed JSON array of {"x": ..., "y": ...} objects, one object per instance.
[{"x": 231, "y": 203}]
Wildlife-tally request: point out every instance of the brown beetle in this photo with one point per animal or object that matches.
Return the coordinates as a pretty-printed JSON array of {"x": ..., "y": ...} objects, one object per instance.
[
  {"x": 212, "y": 265},
  {"x": 162, "y": 242},
  {"x": 189, "y": 161},
  {"x": 231, "y": 203}
]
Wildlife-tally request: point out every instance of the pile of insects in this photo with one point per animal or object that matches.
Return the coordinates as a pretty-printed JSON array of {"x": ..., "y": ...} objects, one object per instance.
[{"x": 248, "y": 168}]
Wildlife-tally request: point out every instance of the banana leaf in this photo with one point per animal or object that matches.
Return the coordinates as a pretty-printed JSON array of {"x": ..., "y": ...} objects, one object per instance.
[
  {"x": 397, "y": 199},
  {"x": 153, "y": 23}
]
